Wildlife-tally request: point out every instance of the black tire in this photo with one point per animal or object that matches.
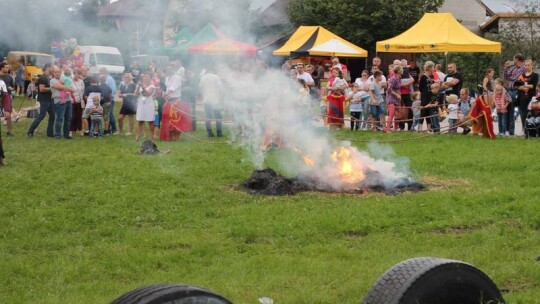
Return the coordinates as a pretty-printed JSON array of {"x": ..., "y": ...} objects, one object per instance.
[
  {"x": 433, "y": 281},
  {"x": 170, "y": 294}
]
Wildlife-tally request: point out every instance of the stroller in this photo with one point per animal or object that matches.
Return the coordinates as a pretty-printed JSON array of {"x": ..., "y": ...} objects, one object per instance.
[{"x": 532, "y": 124}]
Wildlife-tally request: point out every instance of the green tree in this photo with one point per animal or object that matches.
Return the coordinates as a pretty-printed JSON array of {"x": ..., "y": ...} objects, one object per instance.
[{"x": 362, "y": 22}]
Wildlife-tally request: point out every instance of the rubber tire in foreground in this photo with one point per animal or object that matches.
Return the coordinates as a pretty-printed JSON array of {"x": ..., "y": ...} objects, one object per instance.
[
  {"x": 170, "y": 294},
  {"x": 429, "y": 280}
]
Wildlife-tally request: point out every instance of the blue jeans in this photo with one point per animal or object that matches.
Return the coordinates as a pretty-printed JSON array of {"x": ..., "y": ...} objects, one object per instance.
[
  {"x": 96, "y": 123},
  {"x": 502, "y": 117},
  {"x": 376, "y": 111},
  {"x": 63, "y": 116},
  {"x": 435, "y": 124},
  {"x": 212, "y": 112},
  {"x": 44, "y": 108},
  {"x": 365, "y": 113}
]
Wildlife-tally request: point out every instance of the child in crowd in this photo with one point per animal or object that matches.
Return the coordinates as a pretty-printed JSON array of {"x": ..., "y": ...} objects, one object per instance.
[
  {"x": 96, "y": 116},
  {"x": 535, "y": 112},
  {"x": 355, "y": 101},
  {"x": 31, "y": 91},
  {"x": 453, "y": 109},
  {"x": 434, "y": 108},
  {"x": 501, "y": 101},
  {"x": 416, "y": 110},
  {"x": 376, "y": 101},
  {"x": 68, "y": 82}
]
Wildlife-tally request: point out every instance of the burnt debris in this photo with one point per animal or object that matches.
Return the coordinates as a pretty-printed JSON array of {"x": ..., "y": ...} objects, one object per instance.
[{"x": 269, "y": 182}]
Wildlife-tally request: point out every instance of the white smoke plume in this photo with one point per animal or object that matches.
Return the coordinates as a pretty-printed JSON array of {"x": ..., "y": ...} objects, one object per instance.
[{"x": 268, "y": 105}]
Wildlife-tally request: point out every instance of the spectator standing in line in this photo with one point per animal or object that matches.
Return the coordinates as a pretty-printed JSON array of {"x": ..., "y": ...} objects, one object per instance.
[
  {"x": 424, "y": 85},
  {"x": 487, "y": 82},
  {"x": 376, "y": 99},
  {"x": 20, "y": 77},
  {"x": 416, "y": 107},
  {"x": 111, "y": 83},
  {"x": 440, "y": 74},
  {"x": 3, "y": 92},
  {"x": 145, "y": 105},
  {"x": 46, "y": 104},
  {"x": 407, "y": 89},
  {"x": 135, "y": 71},
  {"x": 393, "y": 96},
  {"x": 355, "y": 106},
  {"x": 211, "y": 87},
  {"x": 453, "y": 81},
  {"x": 62, "y": 107},
  {"x": 528, "y": 81},
  {"x": 77, "y": 104},
  {"x": 129, "y": 103},
  {"x": 453, "y": 109},
  {"x": 341, "y": 66},
  {"x": 363, "y": 84},
  {"x": 511, "y": 75},
  {"x": 8, "y": 109},
  {"x": 500, "y": 101},
  {"x": 465, "y": 104},
  {"x": 106, "y": 102},
  {"x": 414, "y": 71},
  {"x": 96, "y": 117}
]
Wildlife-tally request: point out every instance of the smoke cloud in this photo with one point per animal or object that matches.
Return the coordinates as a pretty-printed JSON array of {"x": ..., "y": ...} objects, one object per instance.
[{"x": 265, "y": 105}]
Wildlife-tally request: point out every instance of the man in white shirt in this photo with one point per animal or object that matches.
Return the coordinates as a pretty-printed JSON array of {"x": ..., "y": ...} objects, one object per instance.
[
  {"x": 211, "y": 87},
  {"x": 302, "y": 74},
  {"x": 173, "y": 82}
]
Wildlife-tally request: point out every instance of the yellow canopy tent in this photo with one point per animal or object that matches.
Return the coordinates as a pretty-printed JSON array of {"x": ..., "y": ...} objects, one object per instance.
[
  {"x": 437, "y": 33},
  {"x": 306, "y": 38}
]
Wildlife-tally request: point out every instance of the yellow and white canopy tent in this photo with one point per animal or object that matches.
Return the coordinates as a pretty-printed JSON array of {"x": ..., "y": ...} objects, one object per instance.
[
  {"x": 305, "y": 39},
  {"x": 438, "y": 33}
]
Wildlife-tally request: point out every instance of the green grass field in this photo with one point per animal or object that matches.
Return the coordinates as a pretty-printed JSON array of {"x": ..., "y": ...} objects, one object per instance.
[{"x": 86, "y": 220}]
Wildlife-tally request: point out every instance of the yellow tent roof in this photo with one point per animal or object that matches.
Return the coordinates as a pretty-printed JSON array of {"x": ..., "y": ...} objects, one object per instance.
[
  {"x": 438, "y": 32},
  {"x": 308, "y": 37}
]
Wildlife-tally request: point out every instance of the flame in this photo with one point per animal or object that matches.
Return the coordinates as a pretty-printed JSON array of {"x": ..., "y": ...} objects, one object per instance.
[
  {"x": 308, "y": 161},
  {"x": 349, "y": 168}
]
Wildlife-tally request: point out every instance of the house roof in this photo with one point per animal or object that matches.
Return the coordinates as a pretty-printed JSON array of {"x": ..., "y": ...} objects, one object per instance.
[
  {"x": 124, "y": 8},
  {"x": 493, "y": 21},
  {"x": 505, "y": 6}
]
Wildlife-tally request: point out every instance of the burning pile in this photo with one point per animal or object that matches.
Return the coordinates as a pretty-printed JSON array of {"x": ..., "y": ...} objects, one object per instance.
[{"x": 345, "y": 170}]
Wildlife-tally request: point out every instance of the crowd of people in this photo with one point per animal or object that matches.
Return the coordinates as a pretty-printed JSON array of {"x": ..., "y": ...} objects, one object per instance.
[
  {"x": 403, "y": 97},
  {"x": 407, "y": 98},
  {"x": 77, "y": 103}
]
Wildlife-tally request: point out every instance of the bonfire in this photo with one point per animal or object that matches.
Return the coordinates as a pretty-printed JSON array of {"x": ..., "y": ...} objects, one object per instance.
[{"x": 344, "y": 170}]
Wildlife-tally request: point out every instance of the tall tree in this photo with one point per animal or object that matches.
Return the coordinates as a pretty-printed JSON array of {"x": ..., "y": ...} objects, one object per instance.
[{"x": 362, "y": 22}]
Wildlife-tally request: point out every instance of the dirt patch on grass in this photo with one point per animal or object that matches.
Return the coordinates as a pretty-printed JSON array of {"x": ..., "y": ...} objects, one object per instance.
[
  {"x": 434, "y": 183},
  {"x": 354, "y": 234},
  {"x": 461, "y": 229},
  {"x": 517, "y": 286}
]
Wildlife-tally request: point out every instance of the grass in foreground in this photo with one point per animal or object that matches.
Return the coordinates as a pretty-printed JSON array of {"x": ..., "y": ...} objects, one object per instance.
[{"x": 84, "y": 221}]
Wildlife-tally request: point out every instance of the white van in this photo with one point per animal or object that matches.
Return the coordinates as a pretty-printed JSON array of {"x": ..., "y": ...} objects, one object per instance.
[{"x": 96, "y": 56}]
